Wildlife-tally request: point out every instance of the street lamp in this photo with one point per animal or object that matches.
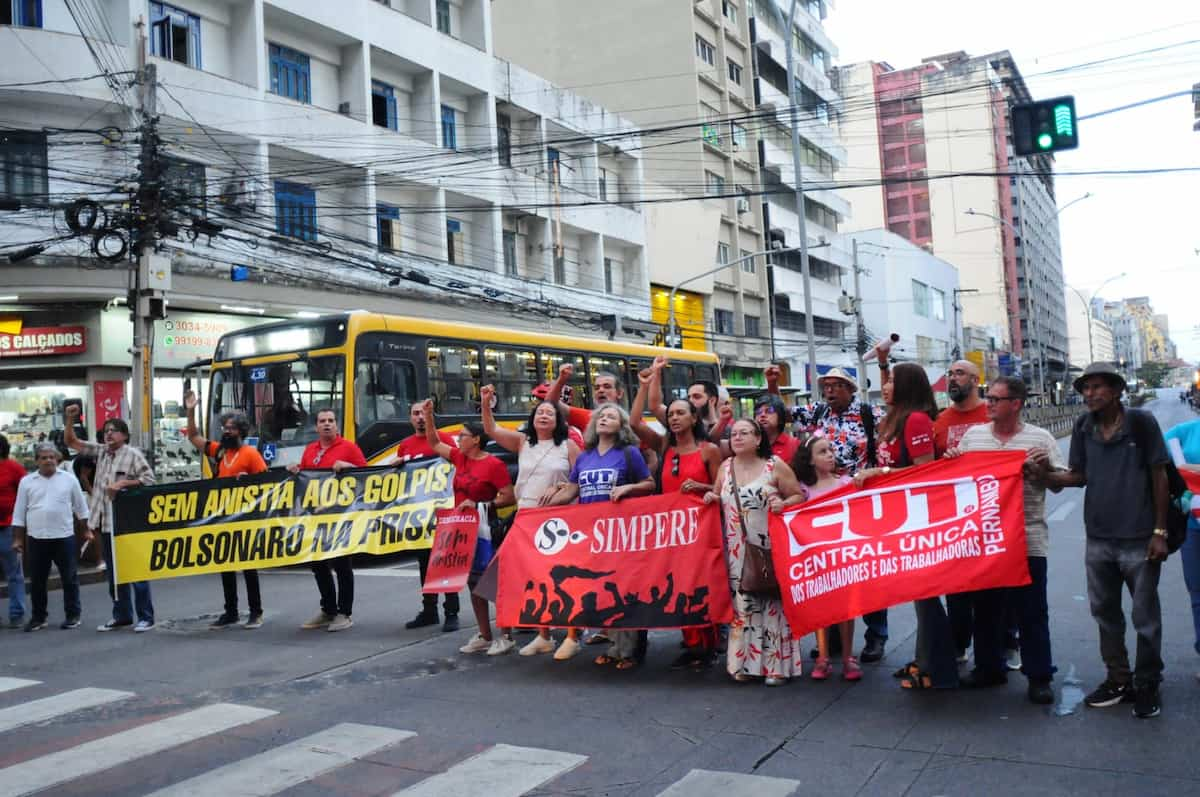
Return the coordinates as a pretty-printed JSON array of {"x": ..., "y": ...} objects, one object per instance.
[{"x": 1087, "y": 309}]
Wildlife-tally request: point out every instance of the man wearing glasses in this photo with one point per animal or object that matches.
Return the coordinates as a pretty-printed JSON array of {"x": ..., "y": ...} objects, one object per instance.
[
  {"x": 234, "y": 459},
  {"x": 1007, "y": 432}
]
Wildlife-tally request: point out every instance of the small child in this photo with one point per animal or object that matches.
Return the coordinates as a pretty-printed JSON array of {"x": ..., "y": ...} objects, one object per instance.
[{"x": 815, "y": 465}]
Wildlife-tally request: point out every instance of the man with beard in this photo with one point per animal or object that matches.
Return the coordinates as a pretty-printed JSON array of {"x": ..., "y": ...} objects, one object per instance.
[{"x": 234, "y": 459}]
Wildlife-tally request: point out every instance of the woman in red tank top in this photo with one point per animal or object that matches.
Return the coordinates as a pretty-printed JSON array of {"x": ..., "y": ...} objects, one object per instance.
[{"x": 687, "y": 463}]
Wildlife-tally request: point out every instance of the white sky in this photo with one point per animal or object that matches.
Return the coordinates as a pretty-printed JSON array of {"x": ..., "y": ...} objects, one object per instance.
[{"x": 1146, "y": 226}]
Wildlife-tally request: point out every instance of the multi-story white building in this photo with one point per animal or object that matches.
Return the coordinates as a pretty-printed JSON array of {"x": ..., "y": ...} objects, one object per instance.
[
  {"x": 1129, "y": 347},
  {"x": 357, "y": 154},
  {"x": 822, "y": 154},
  {"x": 1091, "y": 336}
]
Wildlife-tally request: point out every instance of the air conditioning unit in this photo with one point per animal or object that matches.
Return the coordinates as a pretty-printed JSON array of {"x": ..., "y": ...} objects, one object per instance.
[{"x": 743, "y": 206}]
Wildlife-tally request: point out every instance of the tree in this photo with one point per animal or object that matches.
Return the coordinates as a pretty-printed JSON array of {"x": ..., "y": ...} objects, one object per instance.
[{"x": 1152, "y": 374}]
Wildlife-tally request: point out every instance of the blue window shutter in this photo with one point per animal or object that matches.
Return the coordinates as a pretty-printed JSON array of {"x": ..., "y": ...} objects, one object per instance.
[
  {"x": 295, "y": 210},
  {"x": 453, "y": 225},
  {"x": 194, "y": 33},
  {"x": 449, "y": 131}
]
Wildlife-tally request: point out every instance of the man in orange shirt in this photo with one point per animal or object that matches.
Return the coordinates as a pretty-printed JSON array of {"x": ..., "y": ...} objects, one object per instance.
[
  {"x": 966, "y": 409},
  {"x": 234, "y": 459}
]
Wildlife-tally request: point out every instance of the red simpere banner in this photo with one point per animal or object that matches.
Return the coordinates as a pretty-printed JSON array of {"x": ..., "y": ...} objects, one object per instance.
[
  {"x": 954, "y": 525},
  {"x": 654, "y": 562},
  {"x": 453, "y": 550}
]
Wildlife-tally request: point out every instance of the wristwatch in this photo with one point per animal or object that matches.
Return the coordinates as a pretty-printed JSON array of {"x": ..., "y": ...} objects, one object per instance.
[{"x": 1160, "y": 533}]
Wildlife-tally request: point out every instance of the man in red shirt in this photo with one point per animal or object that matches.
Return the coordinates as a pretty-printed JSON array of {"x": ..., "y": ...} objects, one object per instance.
[
  {"x": 331, "y": 451},
  {"x": 11, "y": 474},
  {"x": 415, "y": 446},
  {"x": 233, "y": 459}
]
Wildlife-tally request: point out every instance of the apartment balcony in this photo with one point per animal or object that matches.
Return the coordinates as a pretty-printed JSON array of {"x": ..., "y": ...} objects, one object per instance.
[
  {"x": 825, "y": 294},
  {"x": 816, "y": 131},
  {"x": 769, "y": 35},
  {"x": 779, "y": 161},
  {"x": 783, "y": 219}
]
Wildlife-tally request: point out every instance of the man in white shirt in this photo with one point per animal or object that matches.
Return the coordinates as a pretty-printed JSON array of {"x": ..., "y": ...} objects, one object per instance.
[{"x": 49, "y": 512}]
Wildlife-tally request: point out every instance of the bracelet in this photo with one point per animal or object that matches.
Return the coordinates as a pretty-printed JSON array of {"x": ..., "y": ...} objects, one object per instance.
[{"x": 1160, "y": 533}]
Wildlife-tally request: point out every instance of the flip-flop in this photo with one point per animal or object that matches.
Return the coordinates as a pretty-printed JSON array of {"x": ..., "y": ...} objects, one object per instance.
[
  {"x": 603, "y": 660},
  {"x": 912, "y": 668},
  {"x": 626, "y": 664},
  {"x": 920, "y": 680}
]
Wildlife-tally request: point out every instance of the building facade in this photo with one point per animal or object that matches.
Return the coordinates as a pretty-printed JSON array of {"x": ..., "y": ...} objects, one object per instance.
[
  {"x": 362, "y": 154},
  {"x": 1091, "y": 335},
  {"x": 683, "y": 71}
]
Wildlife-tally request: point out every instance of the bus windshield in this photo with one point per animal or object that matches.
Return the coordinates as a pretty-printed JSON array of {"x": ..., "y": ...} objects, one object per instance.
[{"x": 280, "y": 399}]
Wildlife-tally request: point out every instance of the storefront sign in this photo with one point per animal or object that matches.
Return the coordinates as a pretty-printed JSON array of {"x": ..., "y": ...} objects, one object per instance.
[
  {"x": 43, "y": 342},
  {"x": 186, "y": 337}
]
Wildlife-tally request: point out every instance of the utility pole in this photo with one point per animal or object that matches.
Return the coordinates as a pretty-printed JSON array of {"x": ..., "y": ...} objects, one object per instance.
[
  {"x": 956, "y": 354},
  {"x": 559, "y": 255},
  {"x": 860, "y": 327}
]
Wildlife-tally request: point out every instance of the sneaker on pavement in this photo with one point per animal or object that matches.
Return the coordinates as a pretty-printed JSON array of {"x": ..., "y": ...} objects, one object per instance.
[
  {"x": 319, "y": 620},
  {"x": 1109, "y": 694},
  {"x": 873, "y": 651},
  {"x": 69, "y": 623},
  {"x": 340, "y": 622},
  {"x": 421, "y": 620},
  {"x": 567, "y": 650},
  {"x": 1041, "y": 693},
  {"x": 501, "y": 645},
  {"x": 477, "y": 645},
  {"x": 451, "y": 624},
  {"x": 253, "y": 621},
  {"x": 16, "y": 622},
  {"x": 224, "y": 621},
  {"x": 1146, "y": 702},
  {"x": 143, "y": 626},
  {"x": 539, "y": 644},
  {"x": 35, "y": 625},
  {"x": 1012, "y": 659},
  {"x": 113, "y": 625}
]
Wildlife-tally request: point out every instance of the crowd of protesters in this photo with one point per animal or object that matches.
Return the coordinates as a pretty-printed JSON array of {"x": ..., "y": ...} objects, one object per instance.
[{"x": 750, "y": 467}]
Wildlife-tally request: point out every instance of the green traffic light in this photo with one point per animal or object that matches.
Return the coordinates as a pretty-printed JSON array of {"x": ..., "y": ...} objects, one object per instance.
[{"x": 1045, "y": 141}]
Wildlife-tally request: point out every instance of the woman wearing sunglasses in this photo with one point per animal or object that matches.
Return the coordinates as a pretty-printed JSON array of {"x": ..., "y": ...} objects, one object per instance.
[{"x": 687, "y": 463}]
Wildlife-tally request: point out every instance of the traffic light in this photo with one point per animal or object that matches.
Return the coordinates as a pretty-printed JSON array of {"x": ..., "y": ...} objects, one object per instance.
[{"x": 1045, "y": 126}]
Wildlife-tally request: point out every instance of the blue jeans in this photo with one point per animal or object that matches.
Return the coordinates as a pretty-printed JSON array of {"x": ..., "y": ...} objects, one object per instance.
[
  {"x": 876, "y": 623},
  {"x": 11, "y": 561},
  {"x": 1032, "y": 612},
  {"x": 123, "y": 606},
  {"x": 1189, "y": 554}
]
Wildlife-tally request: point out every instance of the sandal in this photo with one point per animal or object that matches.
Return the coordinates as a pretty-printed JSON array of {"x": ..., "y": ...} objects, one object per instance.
[
  {"x": 910, "y": 669},
  {"x": 919, "y": 680},
  {"x": 603, "y": 660},
  {"x": 626, "y": 664}
]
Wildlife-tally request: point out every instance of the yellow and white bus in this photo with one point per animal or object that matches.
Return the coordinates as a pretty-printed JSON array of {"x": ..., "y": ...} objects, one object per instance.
[{"x": 371, "y": 368}]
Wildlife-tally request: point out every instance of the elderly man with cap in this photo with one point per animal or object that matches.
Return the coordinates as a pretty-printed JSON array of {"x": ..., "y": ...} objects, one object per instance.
[
  {"x": 850, "y": 425},
  {"x": 1120, "y": 456}
]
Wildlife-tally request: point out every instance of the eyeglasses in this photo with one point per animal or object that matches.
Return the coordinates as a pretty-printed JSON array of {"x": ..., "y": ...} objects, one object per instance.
[
  {"x": 994, "y": 399},
  {"x": 675, "y": 464}
]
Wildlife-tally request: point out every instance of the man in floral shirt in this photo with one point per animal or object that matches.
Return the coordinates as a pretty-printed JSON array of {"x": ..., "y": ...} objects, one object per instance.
[{"x": 840, "y": 417}]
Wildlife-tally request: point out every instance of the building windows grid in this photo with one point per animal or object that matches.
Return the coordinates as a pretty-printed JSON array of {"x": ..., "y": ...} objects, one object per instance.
[
  {"x": 454, "y": 242},
  {"x": 705, "y": 51},
  {"x": 714, "y": 183},
  {"x": 723, "y": 322},
  {"x": 383, "y": 105},
  {"x": 510, "y": 254},
  {"x": 26, "y": 13},
  {"x": 729, "y": 11},
  {"x": 608, "y": 275},
  {"x": 23, "y": 161},
  {"x": 449, "y": 128},
  {"x": 443, "y": 17},
  {"x": 175, "y": 34},
  {"x": 290, "y": 73},
  {"x": 504, "y": 138},
  {"x": 735, "y": 71},
  {"x": 295, "y": 210},
  {"x": 751, "y": 324},
  {"x": 387, "y": 228}
]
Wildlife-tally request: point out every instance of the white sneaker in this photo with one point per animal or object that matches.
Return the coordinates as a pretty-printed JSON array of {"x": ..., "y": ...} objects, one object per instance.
[
  {"x": 566, "y": 650},
  {"x": 501, "y": 645},
  {"x": 143, "y": 626},
  {"x": 340, "y": 623},
  {"x": 477, "y": 645},
  {"x": 1012, "y": 658},
  {"x": 539, "y": 644}
]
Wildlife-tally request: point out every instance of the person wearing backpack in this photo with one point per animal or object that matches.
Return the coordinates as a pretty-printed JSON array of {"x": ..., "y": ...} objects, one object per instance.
[{"x": 1119, "y": 454}]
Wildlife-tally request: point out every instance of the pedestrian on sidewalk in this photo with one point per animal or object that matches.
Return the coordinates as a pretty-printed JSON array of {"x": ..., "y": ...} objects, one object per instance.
[
  {"x": 11, "y": 474},
  {"x": 1008, "y": 432},
  {"x": 1120, "y": 456},
  {"x": 234, "y": 459},
  {"x": 49, "y": 513},
  {"x": 118, "y": 466},
  {"x": 1183, "y": 443},
  {"x": 331, "y": 451}
]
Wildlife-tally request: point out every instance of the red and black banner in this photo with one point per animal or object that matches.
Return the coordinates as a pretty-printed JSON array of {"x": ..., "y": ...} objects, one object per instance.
[
  {"x": 654, "y": 562},
  {"x": 955, "y": 525}
]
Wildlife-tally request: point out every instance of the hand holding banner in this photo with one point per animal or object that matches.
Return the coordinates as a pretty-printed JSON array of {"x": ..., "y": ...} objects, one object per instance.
[
  {"x": 955, "y": 525},
  {"x": 453, "y": 550},
  {"x": 654, "y": 562}
]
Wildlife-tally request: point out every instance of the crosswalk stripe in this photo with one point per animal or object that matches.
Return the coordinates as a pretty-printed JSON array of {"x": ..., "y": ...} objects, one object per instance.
[
  {"x": 120, "y": 748},
  {"x": 57, "y": 705},
  {"x": 502, "y": 771},
  {"x": 9, "y": 684},
  {"x": 705, "y": 783},
  {"x": 290, "y": 765}
]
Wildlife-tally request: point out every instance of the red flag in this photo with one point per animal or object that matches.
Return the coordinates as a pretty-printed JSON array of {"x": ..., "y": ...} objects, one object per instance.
[
  {"x": 1193, "y": 484},
  {"x": 654, "y": 562},
  {"x": 955, "y": 525},
  {"x": 453, "y": 550}
]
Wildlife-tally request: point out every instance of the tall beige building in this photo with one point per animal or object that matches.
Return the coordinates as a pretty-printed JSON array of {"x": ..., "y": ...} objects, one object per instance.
[{"x": 683, "y": 71}]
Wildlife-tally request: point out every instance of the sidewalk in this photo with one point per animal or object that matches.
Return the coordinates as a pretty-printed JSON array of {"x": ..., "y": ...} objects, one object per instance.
[{"x": 88, "y": 574}]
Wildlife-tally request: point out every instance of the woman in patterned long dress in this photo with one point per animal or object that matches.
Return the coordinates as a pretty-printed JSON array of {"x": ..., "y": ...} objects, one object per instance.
[{"x": 760, "y": 642}]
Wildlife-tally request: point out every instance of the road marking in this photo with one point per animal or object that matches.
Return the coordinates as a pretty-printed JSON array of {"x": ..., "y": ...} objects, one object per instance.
[
  {"x": 50, "y": 707},
  {"x": 121, "y": 748},
  {"x": 502, "y": 771},
  {"x": 705, "y": 783},
  {"x": 1062, "y": 513},
  {"x": 290, "y": 765},
  {"x": 9, "y": 684}
]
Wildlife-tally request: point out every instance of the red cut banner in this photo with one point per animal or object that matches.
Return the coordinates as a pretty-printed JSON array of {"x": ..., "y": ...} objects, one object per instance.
[
  {"x": 955, "y": 525},
  {"x": 654, "y": 562},
  {"x": 453, "y": 550}
]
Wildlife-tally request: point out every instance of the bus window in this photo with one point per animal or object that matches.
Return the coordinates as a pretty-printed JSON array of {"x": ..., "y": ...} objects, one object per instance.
[
  {"x": 514, "y": 373},
  {"x": 384, "y": 394},
  {"x": 612, "y": 365},
  {"x": 553, "y": 360},
  {"x": 280, "y": 399},
  {"x": 454, "y": 378}
]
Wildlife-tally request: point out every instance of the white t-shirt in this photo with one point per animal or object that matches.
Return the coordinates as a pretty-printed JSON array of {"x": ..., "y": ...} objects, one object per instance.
[
  {"x": 46, "y": 507},
  {"x": 981, "y": 438}
]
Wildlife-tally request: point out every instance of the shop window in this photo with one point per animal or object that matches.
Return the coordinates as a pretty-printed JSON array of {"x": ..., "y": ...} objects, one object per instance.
[
  {"x": 514, "y": 373},
  {"x": 33, "y": 414},
  {"x": 453, "y": 378}
]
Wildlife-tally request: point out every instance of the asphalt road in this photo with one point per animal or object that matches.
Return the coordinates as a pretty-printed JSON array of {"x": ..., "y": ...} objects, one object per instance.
[{"x": 379, "y": 710}]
